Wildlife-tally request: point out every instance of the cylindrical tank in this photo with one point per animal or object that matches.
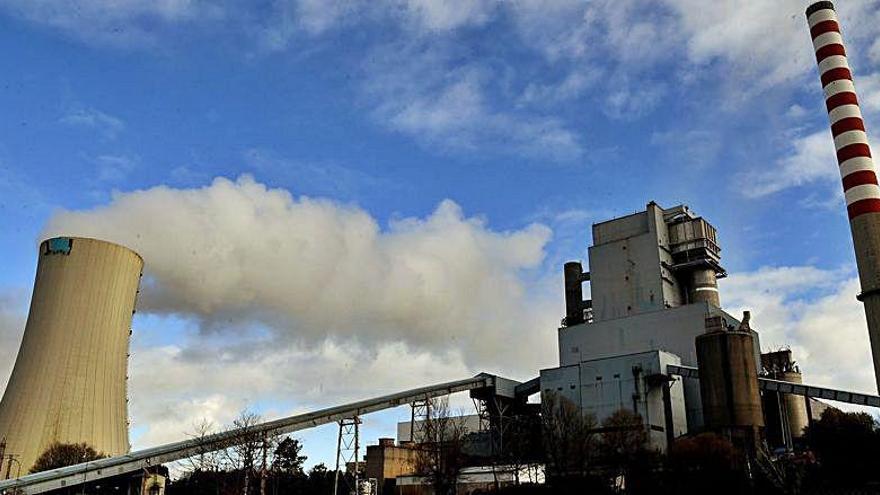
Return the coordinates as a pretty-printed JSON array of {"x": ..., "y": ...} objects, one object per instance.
[
  {"x": 795, "y": 406},
  {"x": 69, "y": 380},
  {"x": 729, "y": 381},
  {"x": 855, "y": 163},
  {"x": 704, "y": 287}
]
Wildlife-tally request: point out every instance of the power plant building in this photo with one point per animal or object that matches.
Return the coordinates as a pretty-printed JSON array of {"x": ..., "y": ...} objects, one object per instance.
[
  {"x": 653, "y": 286},
  {"x": 69, "y": 380}
]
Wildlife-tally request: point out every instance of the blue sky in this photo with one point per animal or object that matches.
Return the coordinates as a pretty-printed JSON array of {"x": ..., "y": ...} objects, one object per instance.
[{"x": 478, "y": 139}]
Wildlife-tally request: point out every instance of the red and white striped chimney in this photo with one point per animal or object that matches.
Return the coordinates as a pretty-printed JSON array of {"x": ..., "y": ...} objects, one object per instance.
[{"x": 854, "y": 160}]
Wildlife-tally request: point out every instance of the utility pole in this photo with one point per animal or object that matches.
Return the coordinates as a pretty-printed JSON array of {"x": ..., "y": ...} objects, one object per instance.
[{"x": 263, "y": 467}]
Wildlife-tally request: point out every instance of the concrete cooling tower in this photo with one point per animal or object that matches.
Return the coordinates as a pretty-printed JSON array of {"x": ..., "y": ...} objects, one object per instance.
[{"x": 69, "y": 380}]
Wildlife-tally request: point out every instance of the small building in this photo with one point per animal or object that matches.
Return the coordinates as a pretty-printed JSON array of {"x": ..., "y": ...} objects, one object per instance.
[{"x": 386, "y": 461}]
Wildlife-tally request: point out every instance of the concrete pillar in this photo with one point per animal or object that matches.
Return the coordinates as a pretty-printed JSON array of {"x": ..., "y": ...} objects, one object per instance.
[{"x": 704, "y": 287}]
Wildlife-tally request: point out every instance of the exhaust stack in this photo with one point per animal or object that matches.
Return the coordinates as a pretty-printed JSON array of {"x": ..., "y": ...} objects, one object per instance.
[{"x": 854, "y": 159}]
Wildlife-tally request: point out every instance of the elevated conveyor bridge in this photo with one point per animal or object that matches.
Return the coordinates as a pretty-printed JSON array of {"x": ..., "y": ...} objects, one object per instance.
[
  {"x": 483, "y": 385},
  {"x": 784, "y": 387}
]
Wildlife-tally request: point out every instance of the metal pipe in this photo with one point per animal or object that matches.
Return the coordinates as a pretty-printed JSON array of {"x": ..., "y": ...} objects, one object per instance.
[
  {"x": 574, "y": 293},
  {"x": 856, "y": 166}
]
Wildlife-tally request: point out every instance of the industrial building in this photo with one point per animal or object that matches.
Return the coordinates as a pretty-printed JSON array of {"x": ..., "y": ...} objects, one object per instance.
[
  {"x": 69, "y": 380},
  {"x": 651, "y": 338},
  {"x": 654, "y": 306},
  {"x": 653, "y": 284},
  {"x": 386, "y": 462}
]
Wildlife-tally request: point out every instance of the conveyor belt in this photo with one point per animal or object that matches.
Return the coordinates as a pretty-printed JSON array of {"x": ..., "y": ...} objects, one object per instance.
[
  {"x": 792, "y": 388},
  {"x": 135, "y": 461}
]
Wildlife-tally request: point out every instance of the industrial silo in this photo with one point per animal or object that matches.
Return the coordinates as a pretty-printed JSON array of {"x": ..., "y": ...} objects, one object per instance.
[
  {"x": 729, "y": 382},
  {"x": 69, "y": 380},
  {"x": 785, "y": 414}
]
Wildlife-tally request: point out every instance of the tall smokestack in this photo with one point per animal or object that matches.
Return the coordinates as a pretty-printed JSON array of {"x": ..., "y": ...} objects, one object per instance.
[{"x": 854, "y": 158}]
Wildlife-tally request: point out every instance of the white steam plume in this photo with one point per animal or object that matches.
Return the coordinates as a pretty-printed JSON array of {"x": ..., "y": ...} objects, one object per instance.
[{"x": 237, "y": 252}]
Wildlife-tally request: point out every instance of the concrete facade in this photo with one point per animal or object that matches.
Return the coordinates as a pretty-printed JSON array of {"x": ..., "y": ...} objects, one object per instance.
[
  {"x": 470, "y": 423},
  {"x": 604, "y": 386},
  {"x": 69, "y": 380},
  {"x": 672, "y": 330},
  {"x": 651, "y": 261},
  {"x": 652, "y": 277},
  {"x": 386, "y": 461}
]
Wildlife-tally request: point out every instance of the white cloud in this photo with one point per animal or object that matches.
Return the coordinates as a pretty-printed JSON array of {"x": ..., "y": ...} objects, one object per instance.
[
  {"x": 572, "y": 86},
  {"x": 320, "y": 177},
  {"x": 869, "y": 96},
  {"x": 175, "y": 386},
  {"x": 608, "y": 46},
  {"x": 815, "y": 312},
  {"x": 448, "y": 15},
  {"x": 557, "y": 29},
  {"x": 763, "y": 43},
  {"x": 317, "y": 16},
  {"x": 417, "y": 92},
  {"x": 811, "y": 159},
  {"x": 874, "y": 52},
  {"x": 413, "y": 17},
  {"x": 627, "y": 101},
  {"x": 92, "y": 118},
  {"x": 114, "y": 22},
  {"x": 114, "y": 168},
  {"x": 238, "y": 252},
  {"x": 697, "y": 147}
]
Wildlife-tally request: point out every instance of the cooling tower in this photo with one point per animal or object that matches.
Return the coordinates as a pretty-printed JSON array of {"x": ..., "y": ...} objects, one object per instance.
[
  {"x": 854, "y": 160},
  {"x": 69, "y": 380}
]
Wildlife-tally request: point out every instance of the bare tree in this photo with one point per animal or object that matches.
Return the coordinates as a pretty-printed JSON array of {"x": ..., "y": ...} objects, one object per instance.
[
  {"x": 440, "y": 455},
  {"x": 569, "y": 437},
  {"x": 248, "y": 450},
  {"x": 624, "y": 442},
  {"x": 207, "y": 458},
  {"x": 521, "y": 446}
]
